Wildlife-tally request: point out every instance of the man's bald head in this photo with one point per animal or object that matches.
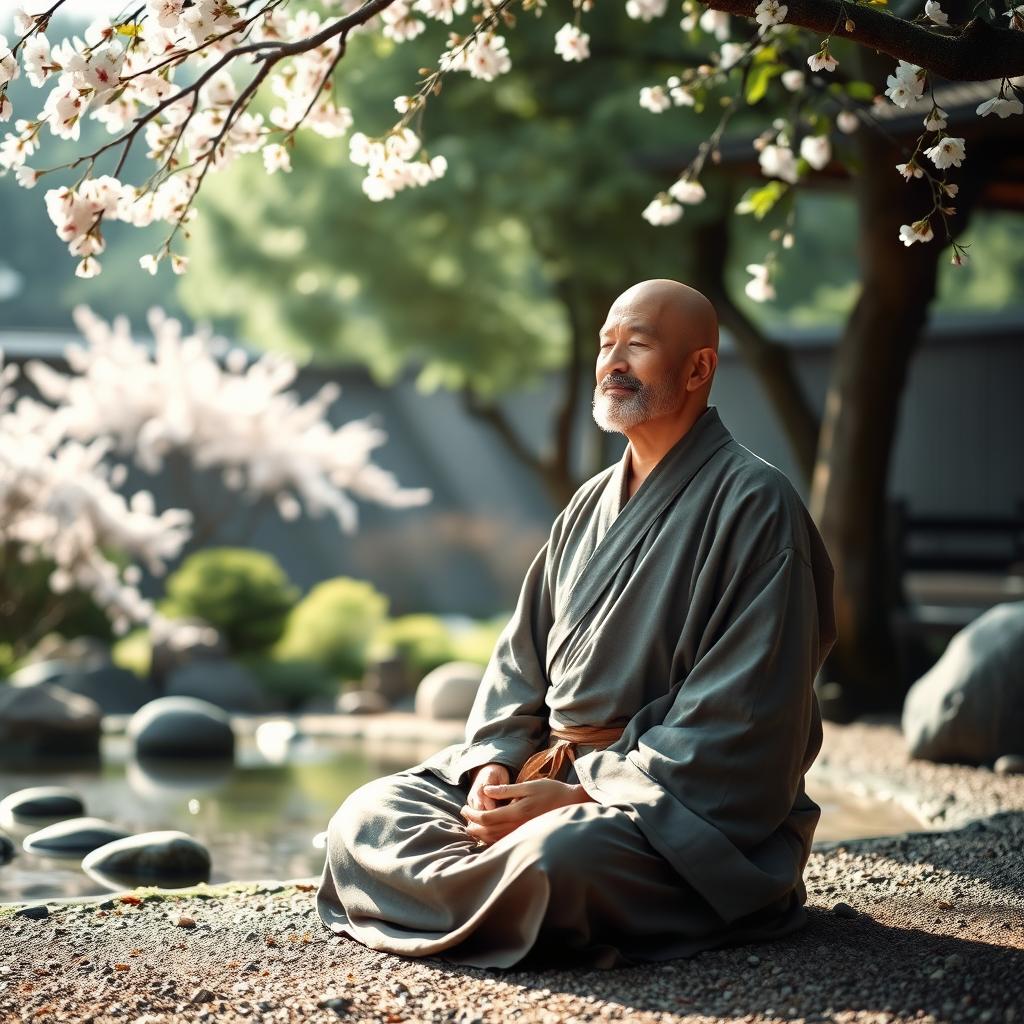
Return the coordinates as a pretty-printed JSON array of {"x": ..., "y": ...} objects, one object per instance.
[
  {"x": 684, "y": 316},
  {"x": 657, "y": 360}
]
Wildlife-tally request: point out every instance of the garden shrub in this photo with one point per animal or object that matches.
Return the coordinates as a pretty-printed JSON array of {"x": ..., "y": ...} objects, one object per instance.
[
  {"x": 477, "y": 643},
  {"x": 333, "y": 626},
  {"x": 422, "y": 642},
  {"x": 134, "y": 652},
  {"x": 292, "y": 681},
  {"x": 245, "y": 594}
]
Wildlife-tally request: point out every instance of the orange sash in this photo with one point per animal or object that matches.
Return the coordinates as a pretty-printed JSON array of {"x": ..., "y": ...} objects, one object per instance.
[{"x": 548, "y": 763}]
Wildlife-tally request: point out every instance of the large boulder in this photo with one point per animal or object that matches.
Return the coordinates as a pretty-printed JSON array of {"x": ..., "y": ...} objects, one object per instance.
[
  {"x": 116, "y": 690},
  {"x": 45, "y": 720},
  {"x": 40, "y": 805},
  {"x": 969, "y": 706},
  {"x": 54, "y": 670},
  {"x": 181, "y": 727},
  {"x": 449, "y": 691},
  {"x": 170, "y": 859},
  {"x": 74, "y": 837},
  {"x": 225, "y": 683}
]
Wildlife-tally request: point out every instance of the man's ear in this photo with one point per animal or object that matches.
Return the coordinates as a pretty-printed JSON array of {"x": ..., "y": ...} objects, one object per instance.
[{"x": 702, "y": 369}]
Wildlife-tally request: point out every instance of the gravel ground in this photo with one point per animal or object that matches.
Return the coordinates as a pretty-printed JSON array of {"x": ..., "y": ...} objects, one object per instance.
[{"x": 928, "y": 927}]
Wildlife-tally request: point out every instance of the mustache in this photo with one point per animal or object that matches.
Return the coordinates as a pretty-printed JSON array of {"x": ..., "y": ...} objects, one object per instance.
[{"x": 620, "y": 380}]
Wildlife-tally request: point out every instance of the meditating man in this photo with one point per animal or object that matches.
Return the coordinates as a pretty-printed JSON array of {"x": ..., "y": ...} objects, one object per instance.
[{"x": 631, "y": 787}]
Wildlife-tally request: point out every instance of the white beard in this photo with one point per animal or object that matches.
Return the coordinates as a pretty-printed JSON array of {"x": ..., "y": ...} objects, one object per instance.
[{"x": 615, "y": 413}]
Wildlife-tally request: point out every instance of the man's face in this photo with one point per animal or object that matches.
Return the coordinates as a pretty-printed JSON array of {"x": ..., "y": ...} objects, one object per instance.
[{"x": 638, "y": 371}]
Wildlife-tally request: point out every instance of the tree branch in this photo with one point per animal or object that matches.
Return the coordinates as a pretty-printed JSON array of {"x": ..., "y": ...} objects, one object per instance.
[{"x": 978, "y": 52}]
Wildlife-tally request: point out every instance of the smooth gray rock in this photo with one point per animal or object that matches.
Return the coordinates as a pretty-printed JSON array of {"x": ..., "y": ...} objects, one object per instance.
[
  {"x": 176, "y": 642},
  {"x": 74, "y": 837},
  {"x": 1009, "y": 764},
  {"x": 361, "y": 702},
  {"x": 39, "y": 805},
  {"x": 168, "y": 858},
  {"x": 7, "y": 848},
  {"x": 225, "y": 683},
  {"x": 449, "y": 690},
  {"x": 44, "y": 720},
  {"x": 116, "y": 690},
  {"x": 181, "y": 727},
  {"x": 969, "y": 706}
]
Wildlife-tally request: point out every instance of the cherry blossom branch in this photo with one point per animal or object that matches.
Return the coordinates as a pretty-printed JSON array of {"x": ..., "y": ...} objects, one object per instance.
[{"x": 979, "y": 52}]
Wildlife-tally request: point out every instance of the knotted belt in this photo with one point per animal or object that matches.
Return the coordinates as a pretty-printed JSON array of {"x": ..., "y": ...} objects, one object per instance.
[{"x": 548, "y": 763}]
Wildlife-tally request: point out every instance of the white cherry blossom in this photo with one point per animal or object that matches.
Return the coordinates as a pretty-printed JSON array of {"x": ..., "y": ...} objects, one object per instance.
[
  {"x": 847, "y": 122},
  {"x": 646, "y": 10},
  {"x": 935, "y": 13},
  {"x": 1003, "y": 106},
  {"x": 715, "y": 23},
  {"x": 919, "y": 231},
  {"x": 661, "y": 211},
  {"x": 770, "y": 12},
  {"x": 793, "y": 79},
  {"x": 687, "y": 191},
  {"x": 276, "y": 158},
  {"x": 947, "y": 152},
  {"x": 822, "y": 60},
  {"x": 778, "y": 162},
  {"x": 655, "y": 99},
  {"x": 816, "y": 150},
  {"x": 759, "y": 288},
  {"x": 571, "y": 44}
]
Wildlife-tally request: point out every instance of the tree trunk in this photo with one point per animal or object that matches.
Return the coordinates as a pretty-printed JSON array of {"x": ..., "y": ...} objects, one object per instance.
[{"x": 850, "y": 485}]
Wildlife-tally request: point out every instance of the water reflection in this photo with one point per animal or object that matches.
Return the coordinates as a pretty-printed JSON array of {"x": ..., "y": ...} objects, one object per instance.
[{"x": 259, "y": 815}]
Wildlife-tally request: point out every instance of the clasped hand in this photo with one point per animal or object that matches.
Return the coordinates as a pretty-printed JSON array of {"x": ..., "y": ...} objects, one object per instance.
[{"x": 488, "y": 822}]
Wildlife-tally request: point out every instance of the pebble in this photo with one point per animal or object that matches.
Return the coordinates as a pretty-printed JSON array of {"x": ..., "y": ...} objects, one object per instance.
[
  {"x": 74, "y": 837},
  {"x": 36, "y": 912},
  {"x": 844, "y": 910},
  {"x": 1009, "y": 764}
]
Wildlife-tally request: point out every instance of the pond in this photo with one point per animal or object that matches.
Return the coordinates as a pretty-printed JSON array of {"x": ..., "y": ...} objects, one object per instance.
[{"x": 259, "y": 816}]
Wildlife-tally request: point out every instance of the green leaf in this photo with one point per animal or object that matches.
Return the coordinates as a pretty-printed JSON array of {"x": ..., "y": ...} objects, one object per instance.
[
  {"x": 860, "y": 90},
  {"x": 759, "y": 201},
  {"x": 758, "y": 79}
]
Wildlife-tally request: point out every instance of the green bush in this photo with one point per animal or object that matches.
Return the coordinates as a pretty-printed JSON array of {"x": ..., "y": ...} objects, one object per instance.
[
  {"x": 244, "y": 594},
  {"x": 333, "y": 626},
  {"x": 134, "y": 652},
  {"x": 422, "y": 641},
  {"x": 292, "y": 681},
  {"x": 477, "y": 643}
]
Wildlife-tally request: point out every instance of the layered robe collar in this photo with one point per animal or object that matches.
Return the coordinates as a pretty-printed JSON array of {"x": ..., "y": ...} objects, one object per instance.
[{"x": 622, "y": 524}]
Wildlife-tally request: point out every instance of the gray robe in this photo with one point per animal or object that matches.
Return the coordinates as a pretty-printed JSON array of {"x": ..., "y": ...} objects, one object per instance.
[{"x": 696, "y": 614}]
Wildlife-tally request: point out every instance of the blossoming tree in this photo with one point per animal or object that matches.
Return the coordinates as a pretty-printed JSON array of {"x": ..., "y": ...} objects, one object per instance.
[
  {"x": 182, "y": 77},
  {"x": 58, "y": 488}
]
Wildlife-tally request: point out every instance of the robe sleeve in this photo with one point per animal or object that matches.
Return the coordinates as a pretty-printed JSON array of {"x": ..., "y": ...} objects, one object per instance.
[
  {"x": 509, "y": 718},
  {"x": 712, "y": 783}
]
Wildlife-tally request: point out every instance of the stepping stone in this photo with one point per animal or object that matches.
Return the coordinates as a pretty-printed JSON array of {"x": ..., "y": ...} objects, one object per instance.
[
  {"x": 40, "y": 805},
  {"x": 73, "y": 838},
  {"x": 181, "y": 727},
  {"x": 169, "y": 859}
]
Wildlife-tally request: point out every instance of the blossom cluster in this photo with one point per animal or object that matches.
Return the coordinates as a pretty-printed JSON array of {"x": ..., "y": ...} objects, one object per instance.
[
  {"x": 122, "y": 72},
  {"x": 236, "y": 416},
  {"x": 58, "y": 496},
  {"x": 58, "y": 502}
]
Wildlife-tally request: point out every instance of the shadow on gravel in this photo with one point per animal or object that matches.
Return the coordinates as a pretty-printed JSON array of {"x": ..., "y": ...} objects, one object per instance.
[{"x": 834, "y": 965}]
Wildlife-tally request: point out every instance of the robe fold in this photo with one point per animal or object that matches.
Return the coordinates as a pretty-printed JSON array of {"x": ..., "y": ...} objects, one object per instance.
[{"x": 695, "y": 615}]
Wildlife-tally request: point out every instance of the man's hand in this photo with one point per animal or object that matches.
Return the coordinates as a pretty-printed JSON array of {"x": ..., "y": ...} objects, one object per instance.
[
  {"x": 486, "y": 774},
  {"x": 528, "y": 799}
]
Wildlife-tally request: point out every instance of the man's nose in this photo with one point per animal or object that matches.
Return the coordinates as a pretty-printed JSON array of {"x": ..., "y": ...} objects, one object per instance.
[{"x": 613, "y": 361}]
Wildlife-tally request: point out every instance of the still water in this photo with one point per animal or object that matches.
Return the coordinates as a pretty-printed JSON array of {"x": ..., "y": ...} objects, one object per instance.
[{"x": 258, "y": 816}]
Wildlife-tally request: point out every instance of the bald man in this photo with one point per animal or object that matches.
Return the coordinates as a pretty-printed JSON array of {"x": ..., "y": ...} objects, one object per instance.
[{"x": 631, "y": 786}]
